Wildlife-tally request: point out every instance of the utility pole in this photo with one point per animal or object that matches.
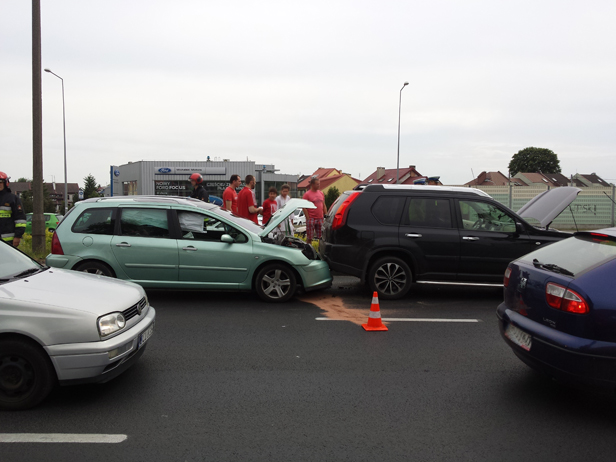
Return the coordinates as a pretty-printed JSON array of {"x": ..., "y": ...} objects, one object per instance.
[{"x": 38, "y": 221}]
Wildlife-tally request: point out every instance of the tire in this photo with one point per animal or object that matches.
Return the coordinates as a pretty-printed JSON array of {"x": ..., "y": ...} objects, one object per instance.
[
  {"x": 26, "y": 375},
  {"x": 391, "y": 277},
  {"x": 94, "y": 267},
  {"x": 275, "y": 283}
]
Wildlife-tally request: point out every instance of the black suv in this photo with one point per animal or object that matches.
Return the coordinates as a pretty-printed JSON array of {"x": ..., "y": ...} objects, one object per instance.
[{"x": 393, "y": 235}]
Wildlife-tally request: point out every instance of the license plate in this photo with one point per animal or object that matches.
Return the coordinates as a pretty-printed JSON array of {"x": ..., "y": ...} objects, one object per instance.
[
  {"x": 145, "y": 335},
  {"x": 519, "y": 337}
]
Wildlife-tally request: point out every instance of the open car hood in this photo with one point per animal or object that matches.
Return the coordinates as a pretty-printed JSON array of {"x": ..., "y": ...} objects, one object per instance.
[
  {"x": 284, "y": 213},
  {"x": 549, "y": 204}
]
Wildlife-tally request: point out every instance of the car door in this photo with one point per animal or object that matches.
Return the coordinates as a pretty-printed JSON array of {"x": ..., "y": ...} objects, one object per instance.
[
  {"x": 427, "y": 231},
  {"x": 144, "y": 248},
  {"x": 205, "y": 259},
  {"x": 489, "y": 240}
]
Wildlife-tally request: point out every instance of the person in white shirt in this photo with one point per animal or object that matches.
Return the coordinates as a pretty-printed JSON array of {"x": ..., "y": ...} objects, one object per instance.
[{"x": 286, "y": 226}]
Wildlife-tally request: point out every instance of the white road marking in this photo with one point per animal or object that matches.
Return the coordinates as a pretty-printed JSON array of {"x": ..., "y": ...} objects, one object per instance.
[
  {"x": 410, "y": 320},
  {"x": 60, "y": 438}
]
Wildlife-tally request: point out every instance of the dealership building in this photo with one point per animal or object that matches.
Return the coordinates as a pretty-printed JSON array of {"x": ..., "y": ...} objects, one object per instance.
[{"x": 171, "y": 178}]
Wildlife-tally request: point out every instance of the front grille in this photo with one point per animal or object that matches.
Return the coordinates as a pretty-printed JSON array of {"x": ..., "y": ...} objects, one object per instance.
[{"x": 134, "y": 310}]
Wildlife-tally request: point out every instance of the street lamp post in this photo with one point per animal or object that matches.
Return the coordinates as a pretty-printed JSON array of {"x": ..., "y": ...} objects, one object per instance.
[
  {"x": 64, "y": 130},
  {"x": 399, "y": 108}
]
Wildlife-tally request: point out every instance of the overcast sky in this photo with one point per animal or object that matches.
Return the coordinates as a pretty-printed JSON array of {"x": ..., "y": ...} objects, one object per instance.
[{"x": 313, "y": 84}]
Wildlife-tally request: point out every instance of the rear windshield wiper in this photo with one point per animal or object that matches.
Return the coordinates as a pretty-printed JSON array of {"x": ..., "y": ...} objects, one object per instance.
[{"x": 552, "y": 267}]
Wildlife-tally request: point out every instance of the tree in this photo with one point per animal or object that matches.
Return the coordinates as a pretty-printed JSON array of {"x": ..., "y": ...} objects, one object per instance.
[
  {"x": 49, "y": 205},
  {"x": 331, "y": 196},
  {"x": 90, "y": 189},
  {"x": 23, "y": 180},
  {"x": 534, "y": 160}
]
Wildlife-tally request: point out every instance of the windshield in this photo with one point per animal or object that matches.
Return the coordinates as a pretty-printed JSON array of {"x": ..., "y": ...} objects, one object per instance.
[
  {"x": 243, "y": 222},
  {"x": 575, "y": 254},
  {"x": 13, "y": 262}
]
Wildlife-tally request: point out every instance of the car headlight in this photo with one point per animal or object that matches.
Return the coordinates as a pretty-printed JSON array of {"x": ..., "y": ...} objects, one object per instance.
[{"x": 111, "y": 323}]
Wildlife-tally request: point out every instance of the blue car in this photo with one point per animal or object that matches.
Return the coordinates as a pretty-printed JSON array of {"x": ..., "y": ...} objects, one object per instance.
[{"x": 559, "y": 312}]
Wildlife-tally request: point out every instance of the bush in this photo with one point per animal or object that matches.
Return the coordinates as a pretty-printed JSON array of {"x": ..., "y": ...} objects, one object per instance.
[
  {"x": 315, "y": 244},
  {"x": 26, "y": 246}
]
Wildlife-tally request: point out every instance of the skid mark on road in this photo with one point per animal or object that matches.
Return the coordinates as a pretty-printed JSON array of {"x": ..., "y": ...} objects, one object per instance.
[{"x": 334, "y": 308}]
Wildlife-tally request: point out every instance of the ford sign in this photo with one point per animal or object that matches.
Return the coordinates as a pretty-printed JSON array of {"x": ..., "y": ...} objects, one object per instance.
[{"x": 164, "y": 170}]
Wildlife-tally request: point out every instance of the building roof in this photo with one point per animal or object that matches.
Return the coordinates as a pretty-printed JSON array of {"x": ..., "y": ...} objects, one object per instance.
[
  {"x": 537, "y": 178},
  {"x": 320, "y": 173},
  {"x": 71, "y": 188},
  {"x": 388, "y": 176},
  {"x": 594, "y": 179},
  {"x": 328, "y": 181},
  {"x": 17, "y": 187},
  {"x": 492, "y": 179}
]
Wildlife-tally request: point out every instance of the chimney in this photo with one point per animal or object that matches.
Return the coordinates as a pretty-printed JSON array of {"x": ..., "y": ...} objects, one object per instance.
[{"x": 380, "y": 172}]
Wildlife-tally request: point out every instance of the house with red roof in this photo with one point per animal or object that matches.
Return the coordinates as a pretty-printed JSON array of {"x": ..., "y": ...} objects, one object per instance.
[
  {"x": 330, "y": 178},
  {"x": 407, "y": 175},
  {"x": 493, "y": 179}
]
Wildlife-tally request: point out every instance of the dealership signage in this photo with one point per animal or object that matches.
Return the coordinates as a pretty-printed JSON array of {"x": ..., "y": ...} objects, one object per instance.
[{"x": 190, "y": 170}]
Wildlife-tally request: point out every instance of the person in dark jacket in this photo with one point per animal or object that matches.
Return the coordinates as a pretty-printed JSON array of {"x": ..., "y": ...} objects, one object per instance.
[
  {"x": 12, "y": 216},
  {"x": 199, "y": 192}
]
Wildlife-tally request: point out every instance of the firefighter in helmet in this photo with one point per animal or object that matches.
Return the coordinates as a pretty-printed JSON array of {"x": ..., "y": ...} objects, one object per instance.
[
  {"x": 12, "y": 216},
  {"x": 199, "y": 192}
]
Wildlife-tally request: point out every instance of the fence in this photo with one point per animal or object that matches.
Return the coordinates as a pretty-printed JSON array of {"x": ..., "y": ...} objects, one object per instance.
[{"x": 592, "y": 209}]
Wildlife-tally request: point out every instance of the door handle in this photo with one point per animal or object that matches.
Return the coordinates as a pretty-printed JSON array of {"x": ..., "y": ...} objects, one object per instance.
[
  {"x": 190, "y": 247},
  {"x": 470, "y": 238},
  {"x": 412, "y": 235},
  {"x": 123, "y": 244}
]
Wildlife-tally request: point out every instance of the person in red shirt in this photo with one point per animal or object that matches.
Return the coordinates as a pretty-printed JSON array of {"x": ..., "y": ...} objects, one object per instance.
[
  {"x": 246, "y": 205},
  {"x": 314, "y": 217},
  {"x": 270, "y": 205},
  {"x": 229, "y": 197}
]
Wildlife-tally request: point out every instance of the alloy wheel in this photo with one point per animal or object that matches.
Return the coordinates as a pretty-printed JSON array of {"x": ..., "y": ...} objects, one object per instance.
[
  {"x": 390, "y": 279},
  {"x": 276, "y": 284}
]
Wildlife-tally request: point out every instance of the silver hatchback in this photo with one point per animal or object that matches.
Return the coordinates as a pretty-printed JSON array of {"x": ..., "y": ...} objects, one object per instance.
[{"x": 63, "y": 326}]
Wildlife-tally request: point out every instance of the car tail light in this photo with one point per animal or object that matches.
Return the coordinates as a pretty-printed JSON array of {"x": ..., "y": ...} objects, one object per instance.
[
  {"x": 565, "y": 299},
  {"x": 507, "y": 276},
  {"x": 56, "y": 247},
  {"x": 343, "y": 211}
]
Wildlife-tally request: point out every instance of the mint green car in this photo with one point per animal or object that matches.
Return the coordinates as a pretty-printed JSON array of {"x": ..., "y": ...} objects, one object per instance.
[{"x": 181, "y": 243}]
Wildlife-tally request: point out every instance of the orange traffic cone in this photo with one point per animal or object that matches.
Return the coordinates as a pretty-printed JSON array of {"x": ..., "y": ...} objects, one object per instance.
[{"x": 374, "y": 320}]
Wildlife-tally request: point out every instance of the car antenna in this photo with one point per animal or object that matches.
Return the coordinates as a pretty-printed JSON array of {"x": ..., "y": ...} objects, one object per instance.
[{"x": 574, "y": 222}]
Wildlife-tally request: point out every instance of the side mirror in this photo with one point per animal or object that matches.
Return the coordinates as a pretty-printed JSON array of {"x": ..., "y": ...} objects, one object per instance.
[
  {"x": 227, "y": 238},
  {"x": 519, "y": 228}
]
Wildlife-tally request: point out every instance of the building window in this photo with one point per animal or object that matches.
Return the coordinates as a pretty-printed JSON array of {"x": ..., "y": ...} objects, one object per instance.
[{"x": 129, "y": 188}]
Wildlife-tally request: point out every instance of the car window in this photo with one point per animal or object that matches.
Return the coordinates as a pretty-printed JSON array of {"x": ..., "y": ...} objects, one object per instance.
[
  {"x": 387, "y": 209},
  {"x": 144, "y": 223},
  {"x": 575, "y": 254},
  {"x": 13, "y": 262},
  {"x": 95, "y": 221},
  {"x": 428, "y": 212},
  {"x": 202, "y": 227},
  {"x": 485, "y": 217}
]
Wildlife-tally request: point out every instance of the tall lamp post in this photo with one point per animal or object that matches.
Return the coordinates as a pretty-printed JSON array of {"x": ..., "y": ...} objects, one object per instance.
[
  {"x": 399, "y": 108},
  {"x": 64, "y": 130}
]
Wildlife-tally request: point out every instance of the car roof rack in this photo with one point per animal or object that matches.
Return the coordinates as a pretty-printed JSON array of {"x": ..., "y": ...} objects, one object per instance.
[
  {"x": 422, "y": 188},
  {"x": 148, "y": 199}
]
